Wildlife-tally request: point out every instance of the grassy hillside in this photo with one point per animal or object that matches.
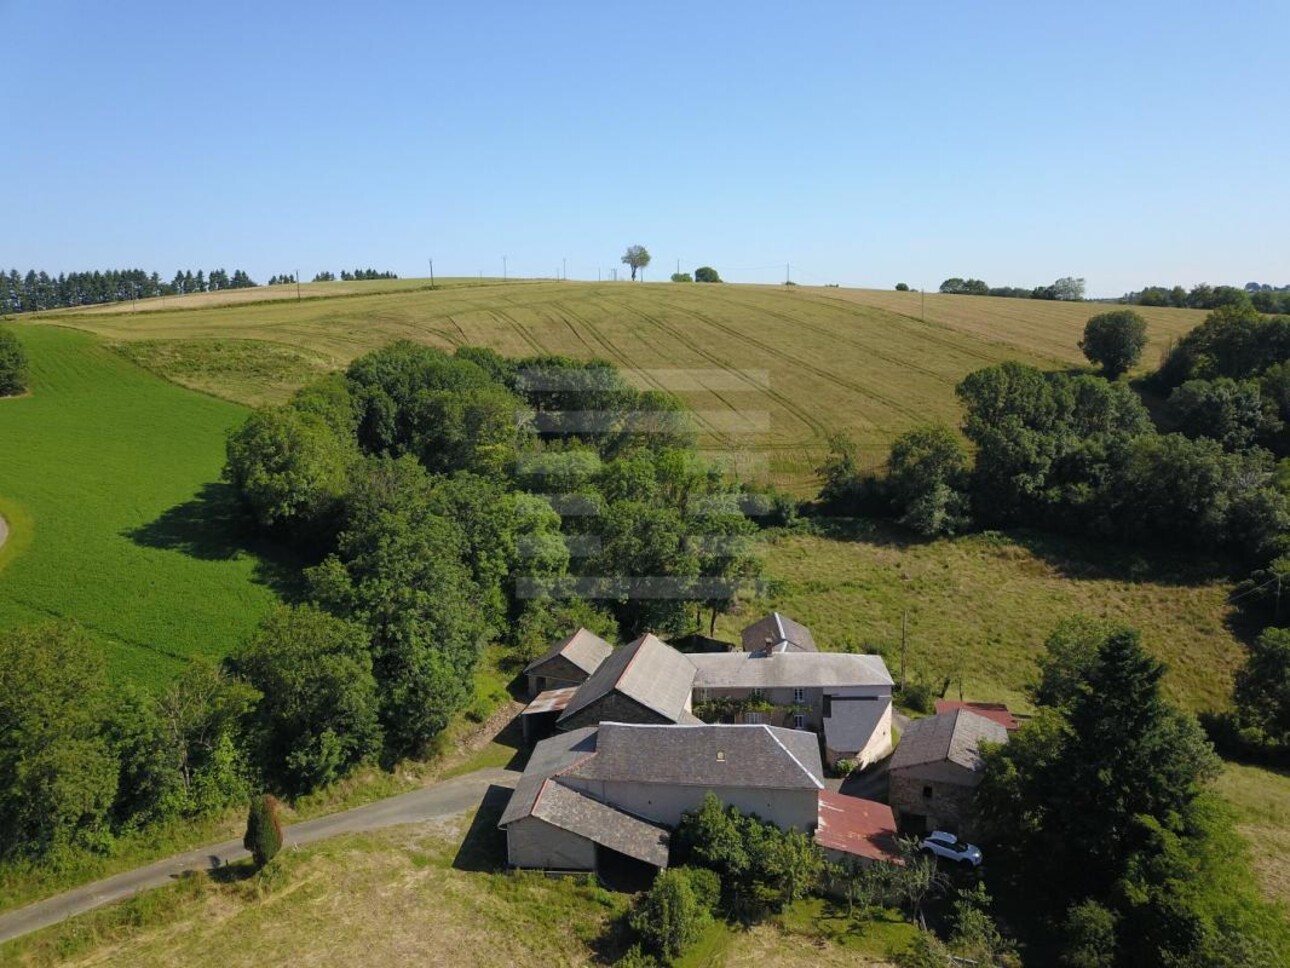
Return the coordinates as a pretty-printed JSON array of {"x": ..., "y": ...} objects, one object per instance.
[
  {"x": 980, "y": 606},
  {"x": 778, "y": 368},
  {"x": 109, "y": 478},
  {"x": 410, "y": 896}
]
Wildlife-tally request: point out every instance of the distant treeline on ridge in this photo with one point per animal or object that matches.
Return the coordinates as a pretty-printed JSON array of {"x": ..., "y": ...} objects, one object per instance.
[
  {"x": 38, "y": 291},
  {"x": 1273, "y": 300}
]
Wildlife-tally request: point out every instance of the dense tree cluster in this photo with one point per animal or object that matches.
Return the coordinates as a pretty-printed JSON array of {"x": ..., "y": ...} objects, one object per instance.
[
  {"x": 1066, "y": 288},
  {"x": 13, "y": 364},
  {"x": 1107, "y": 785},
  {"x": 287, "y": 278},
  {"x": 443, "y": 494},
  {"x": 39, "y": 291},
  {"x": 1260, "y": 295}
]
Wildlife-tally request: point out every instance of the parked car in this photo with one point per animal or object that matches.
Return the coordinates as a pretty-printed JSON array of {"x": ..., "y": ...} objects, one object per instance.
[{"x": 948, "y": 846}]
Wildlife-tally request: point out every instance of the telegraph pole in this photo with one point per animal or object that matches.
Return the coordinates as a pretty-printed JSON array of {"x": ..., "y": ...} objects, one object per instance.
[
  {"x": 787, "y": 276},
  {"x": 432, "y": 273},
  {"x": 904, "y": 644},
  {"x": 297, "y": 285},
  {"x": 924, "y": 303},
  {"x": 564, "y": 268}
]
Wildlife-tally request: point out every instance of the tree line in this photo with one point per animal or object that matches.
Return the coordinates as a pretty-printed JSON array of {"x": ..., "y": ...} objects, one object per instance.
[
  {"x": 13, "y": 365},
  {"x": 1262, "y": 296},
  {"x": 1067, "y": 288},
  {"x": 38, "y": 291}
]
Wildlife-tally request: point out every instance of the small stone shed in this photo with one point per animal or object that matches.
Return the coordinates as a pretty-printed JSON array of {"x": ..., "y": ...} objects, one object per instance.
[{"x": 936, "y": 770}]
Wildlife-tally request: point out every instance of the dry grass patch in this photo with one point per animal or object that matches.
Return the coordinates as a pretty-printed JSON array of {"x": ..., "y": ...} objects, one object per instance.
[{"x": 1261, "y": 798}]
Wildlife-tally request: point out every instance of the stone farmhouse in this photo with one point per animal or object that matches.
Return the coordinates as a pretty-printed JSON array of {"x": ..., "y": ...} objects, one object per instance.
[
  {"x": 779, "y": 679},
  {"x": 936, "y": 769},
  {"x": 604, "y": 798}
]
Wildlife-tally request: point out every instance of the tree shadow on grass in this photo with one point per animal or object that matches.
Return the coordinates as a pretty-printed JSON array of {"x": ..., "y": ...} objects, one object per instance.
[
  {"x": 483, "y": 849},
  {"x": 213, "y": 526}
]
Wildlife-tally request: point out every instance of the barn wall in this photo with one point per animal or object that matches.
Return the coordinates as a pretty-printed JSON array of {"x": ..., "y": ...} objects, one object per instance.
[{"x": 531, "y": 842}]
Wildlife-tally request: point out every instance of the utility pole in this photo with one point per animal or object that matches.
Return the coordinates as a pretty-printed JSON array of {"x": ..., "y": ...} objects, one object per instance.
[
  {"x": 904, "y": 645},
  {"x": 787, "y": 276},
  {"x": 564, "y": 268},
  {"x": 924, "y": 302},
  {"x": 297, "y": 285},
  {"x": 432, "y": 273},
  {"x": 678, "y": 266}
]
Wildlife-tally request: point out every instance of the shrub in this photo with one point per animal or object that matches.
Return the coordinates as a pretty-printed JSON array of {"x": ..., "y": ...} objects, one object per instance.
[
  {"x": 918, "y": 696},
  {"x": 706, "y": 886},
  {"x": 706, "y": 274},
  {"x": 636, "y": 957},
  {"x": 844, "y": 767},
  {"x": 902, "y": 287},
  {"x": 682, "y": 277},
  {"x": 669, "y": 917},
  {"x": 13, "y": 365},
  {"x": 263, "y": 830}
]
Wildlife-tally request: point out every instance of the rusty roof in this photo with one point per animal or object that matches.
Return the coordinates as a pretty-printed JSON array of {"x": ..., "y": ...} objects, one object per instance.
[
  {"x": 862, "y": 828},
  {"x": 551, "y": 701},
  {"x": 997, "y": 711}
]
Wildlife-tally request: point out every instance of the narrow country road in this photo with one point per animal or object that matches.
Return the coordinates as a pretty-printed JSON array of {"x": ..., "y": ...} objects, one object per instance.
[{"x": 442, "y": 800}]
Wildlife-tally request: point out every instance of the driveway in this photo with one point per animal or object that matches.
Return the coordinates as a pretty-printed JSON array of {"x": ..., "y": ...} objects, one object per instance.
[{"x": 437, "y": 802}]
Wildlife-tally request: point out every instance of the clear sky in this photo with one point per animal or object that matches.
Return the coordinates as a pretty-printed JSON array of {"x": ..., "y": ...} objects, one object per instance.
[{"x": 865, "y": 143}]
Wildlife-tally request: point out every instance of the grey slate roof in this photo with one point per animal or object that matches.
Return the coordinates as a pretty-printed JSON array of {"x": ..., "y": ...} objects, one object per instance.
[
  {"x": 744, "y": 670},
  {"x": 648, "y": 671},
  {"x": 601, "y": 824},
  {"x": 777, "y": 632},
  {"x": 953, "y": 737},
  {"x": 584, "y": 649},
  {"x": 717, "y": 755},
  {"x": 549, "y": 757}
]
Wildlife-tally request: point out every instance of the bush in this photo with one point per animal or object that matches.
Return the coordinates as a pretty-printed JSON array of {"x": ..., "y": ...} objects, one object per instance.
[
  {"x": 706, "y": 274},
  {"x": 669, "y": 917},
  {"x": 263, "y": 830},
  {"x": 902, "y": 287},
  {"x": 682, "y": 277},
  {"x": 13, "y": 365},
  {"x": 918, "y": 696},
  {"x": 844, "y": 767},
  {"x": 706, "y": 886},
  {"x": 636, "y": 957}
]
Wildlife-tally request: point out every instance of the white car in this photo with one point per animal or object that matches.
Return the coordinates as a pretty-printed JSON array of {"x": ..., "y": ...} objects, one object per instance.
[{"x": 946, "y": 845}]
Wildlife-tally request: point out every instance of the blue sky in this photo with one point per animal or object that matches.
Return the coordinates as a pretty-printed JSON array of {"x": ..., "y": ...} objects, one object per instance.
[{"x": 864, "y": 143}]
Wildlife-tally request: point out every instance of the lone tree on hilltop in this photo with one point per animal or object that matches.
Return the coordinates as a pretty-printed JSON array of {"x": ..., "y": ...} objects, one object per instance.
[
  {"x": 1114, "y": 340},
  {"x": 13, "y": 365},
  {"x": 706, "y": 274},
  {"x": 263, "y": 830},
  {"x": 636, "y": 256}
]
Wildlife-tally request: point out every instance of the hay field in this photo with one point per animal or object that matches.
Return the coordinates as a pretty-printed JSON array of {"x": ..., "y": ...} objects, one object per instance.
[{"x": 769, "y": 371}]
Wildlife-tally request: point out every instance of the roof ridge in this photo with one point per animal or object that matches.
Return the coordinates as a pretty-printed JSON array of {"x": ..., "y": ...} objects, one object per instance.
[
  {"x": 792, "y": 756},
  {"x": 640, "y": 644}
]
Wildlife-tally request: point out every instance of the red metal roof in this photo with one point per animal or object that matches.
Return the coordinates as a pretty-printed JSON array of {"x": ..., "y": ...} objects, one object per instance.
[
  {"x": 551, "y": 701},
  {"x": 862, "y": 828},
  {"x": 990, "y": 710}
]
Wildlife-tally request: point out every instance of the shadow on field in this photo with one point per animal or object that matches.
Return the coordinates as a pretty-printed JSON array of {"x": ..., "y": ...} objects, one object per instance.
[
  {"x": 484, "y": 847},
  {"x": 212, "y": 526}
]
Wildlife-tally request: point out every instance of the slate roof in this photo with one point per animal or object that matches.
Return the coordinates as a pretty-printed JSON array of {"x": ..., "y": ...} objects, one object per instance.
[
  {"x": 549, "y": 757},
  {"x": 647, "y": 670},
  {"x": 745, "y": 670},
  {"x": 862, "y": 828},
  {"x": 584, "y": 649},
  {"x": 751, "y": 756},
  {"x": 601, "y": 823},
  {"x": 990, "y": 710},
  {"x": 953, "y": 737},
  {"x": 777, "y": 631}
]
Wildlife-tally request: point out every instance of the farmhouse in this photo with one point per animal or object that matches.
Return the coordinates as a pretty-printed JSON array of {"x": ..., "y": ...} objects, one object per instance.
[
  {"x": 608, "y": 796},
  {"x": 844, "y": 697},
  {"x": 779, "y": 679},
  {"x": 936, "y": 769},
  {"x": 596, "y": 792}
]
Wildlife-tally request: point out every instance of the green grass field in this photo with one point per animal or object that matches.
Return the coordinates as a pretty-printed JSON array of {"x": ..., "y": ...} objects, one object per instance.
[
  {"x": 790, "y": 365},
  {"x": 109, "y": 477},
  {"x": 981, "y": 605}
]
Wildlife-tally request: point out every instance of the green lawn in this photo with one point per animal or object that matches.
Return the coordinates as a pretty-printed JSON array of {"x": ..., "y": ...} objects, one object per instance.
[{"x": 109, "y": 477}]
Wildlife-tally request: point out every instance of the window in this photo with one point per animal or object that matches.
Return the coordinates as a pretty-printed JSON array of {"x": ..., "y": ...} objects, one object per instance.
[
  {"x": 828, "y": 705},
  {"x": 927, "y": 793},
  {"x": 799, "y": 721},
  {"x": 721, "y": 756},
  {"x": 799, "y": 695}
]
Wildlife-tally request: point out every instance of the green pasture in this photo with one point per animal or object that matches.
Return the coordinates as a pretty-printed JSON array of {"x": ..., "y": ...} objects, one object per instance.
[{"x": 109, "y": 477}]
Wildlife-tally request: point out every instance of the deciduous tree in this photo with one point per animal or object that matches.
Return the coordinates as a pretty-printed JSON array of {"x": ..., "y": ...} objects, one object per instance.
[
  {"x": 1114, "y": 340},
  {"x": 636, "y": 258}
]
